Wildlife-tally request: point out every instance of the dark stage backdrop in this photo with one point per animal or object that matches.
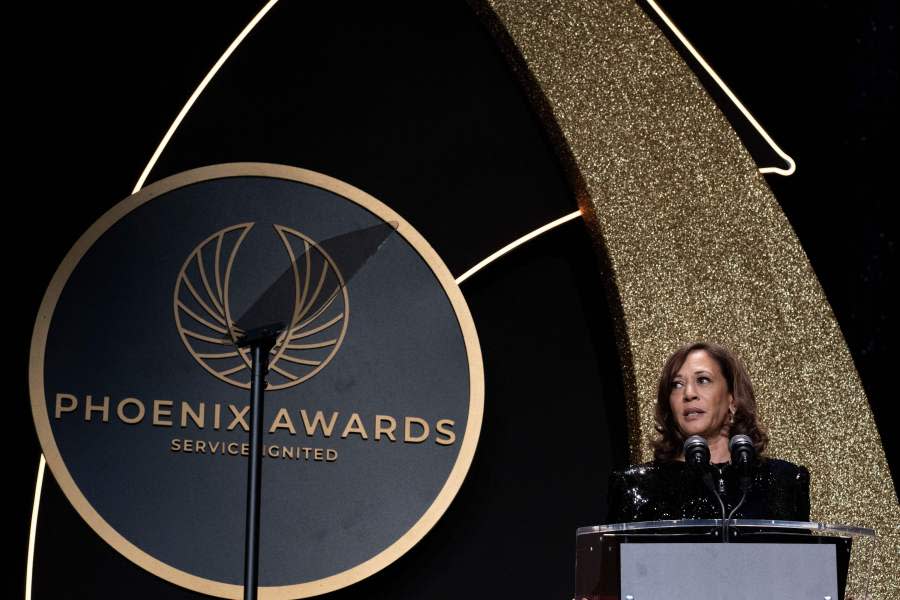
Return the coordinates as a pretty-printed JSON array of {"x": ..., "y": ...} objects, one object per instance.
[{"x": 416, "y": 106}]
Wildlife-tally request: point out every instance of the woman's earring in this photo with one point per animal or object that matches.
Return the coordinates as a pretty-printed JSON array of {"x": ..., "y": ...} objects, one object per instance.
[{"x": 731, "y": 410}]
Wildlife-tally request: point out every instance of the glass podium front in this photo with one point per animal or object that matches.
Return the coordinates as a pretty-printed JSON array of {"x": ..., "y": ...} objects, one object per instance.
[{"x": 712, "y": 558}]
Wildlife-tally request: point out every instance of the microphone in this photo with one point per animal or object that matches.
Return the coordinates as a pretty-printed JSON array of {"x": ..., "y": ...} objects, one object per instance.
[
  {"x": 742, "y": 455},
  {"x": 696, "y": 451}
]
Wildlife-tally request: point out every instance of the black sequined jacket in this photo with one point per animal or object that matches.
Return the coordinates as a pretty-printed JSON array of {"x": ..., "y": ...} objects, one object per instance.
[{"x": 671, "y": 490}]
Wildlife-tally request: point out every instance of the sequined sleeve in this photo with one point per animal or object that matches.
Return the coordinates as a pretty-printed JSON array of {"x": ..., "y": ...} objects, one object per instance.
[{"x": 615, "y": 497}]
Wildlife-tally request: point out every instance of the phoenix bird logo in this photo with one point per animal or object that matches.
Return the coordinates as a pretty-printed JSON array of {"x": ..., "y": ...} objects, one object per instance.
[{"x": 317, "y": 318}]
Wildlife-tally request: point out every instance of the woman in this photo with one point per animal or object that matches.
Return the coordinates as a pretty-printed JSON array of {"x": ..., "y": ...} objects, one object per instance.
[{"x": 705, "y": 390}]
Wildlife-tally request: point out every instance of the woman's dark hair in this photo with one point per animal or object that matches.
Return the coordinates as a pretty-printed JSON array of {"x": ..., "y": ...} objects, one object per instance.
[{"x": 669, "y": 441}]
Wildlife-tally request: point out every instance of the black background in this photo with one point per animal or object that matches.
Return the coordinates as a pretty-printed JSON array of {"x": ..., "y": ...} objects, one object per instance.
[{"x": 417, "y": 107}]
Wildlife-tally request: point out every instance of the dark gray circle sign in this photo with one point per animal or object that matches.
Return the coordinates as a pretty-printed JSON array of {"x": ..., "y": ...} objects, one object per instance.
[{"x": 140, "y": 395}]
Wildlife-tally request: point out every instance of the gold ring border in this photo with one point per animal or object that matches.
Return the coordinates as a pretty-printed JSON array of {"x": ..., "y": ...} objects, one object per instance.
[{"x": 177, "y": 576}]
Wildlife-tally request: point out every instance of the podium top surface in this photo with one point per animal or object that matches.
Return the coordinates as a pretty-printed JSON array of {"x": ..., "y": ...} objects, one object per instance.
[{"x": 757, "y": 524}]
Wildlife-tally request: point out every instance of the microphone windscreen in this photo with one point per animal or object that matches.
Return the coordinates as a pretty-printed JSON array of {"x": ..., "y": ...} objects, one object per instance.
[
  {"x": 696, "y": 442},
  {"x": 741, "y": 443},
  {"x": 696, "y": 450}
]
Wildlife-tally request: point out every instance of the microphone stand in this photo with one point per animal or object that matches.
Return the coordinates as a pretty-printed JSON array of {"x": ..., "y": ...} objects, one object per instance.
[{"x": 260, "y": 340}]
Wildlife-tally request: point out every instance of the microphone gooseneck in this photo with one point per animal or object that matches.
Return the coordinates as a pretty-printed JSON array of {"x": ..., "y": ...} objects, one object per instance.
[
  {"x": 696, "y": 455},
  {"x": 743, "y": 454}
]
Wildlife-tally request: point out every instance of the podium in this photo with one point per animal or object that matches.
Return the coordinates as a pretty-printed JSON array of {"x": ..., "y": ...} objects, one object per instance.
[{"x": 713, "y": 559}]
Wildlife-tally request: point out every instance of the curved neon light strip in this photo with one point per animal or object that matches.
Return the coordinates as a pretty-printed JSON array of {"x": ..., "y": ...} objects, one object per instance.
[
  {"x": 792, "y": 166},
  {"x": 32, "y": 534},
  {"x": 512, "y": 246},
  {"x": 187, "y": 106}
]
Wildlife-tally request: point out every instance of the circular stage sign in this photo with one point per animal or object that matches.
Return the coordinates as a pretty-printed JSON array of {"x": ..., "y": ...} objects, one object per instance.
[{"x": 141, "y": 397}]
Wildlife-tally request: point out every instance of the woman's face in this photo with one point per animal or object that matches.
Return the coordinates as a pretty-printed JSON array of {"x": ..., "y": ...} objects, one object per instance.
[{"x": 699, "y": 397}]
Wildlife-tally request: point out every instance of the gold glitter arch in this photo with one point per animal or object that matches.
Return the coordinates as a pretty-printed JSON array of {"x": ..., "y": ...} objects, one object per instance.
[{"x": 696, "y": 246}]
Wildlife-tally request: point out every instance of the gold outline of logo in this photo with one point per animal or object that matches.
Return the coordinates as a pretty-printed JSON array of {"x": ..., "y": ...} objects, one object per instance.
[
  {"x": 182, "y": 578},
  {"x": 217, "y": 307}
]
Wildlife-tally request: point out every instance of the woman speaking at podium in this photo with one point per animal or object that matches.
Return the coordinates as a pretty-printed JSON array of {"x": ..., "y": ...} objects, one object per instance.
[{"x": 705, "y": 395}]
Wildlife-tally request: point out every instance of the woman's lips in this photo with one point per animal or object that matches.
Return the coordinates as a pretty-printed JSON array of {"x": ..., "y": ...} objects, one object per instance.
[{"x": 693, "y": 414}]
